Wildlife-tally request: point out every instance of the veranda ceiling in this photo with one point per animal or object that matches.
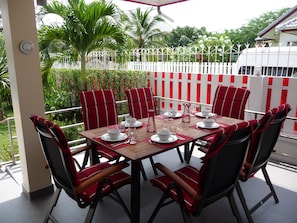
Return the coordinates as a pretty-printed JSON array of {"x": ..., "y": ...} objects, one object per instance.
[{"x": 157, "y": 3}]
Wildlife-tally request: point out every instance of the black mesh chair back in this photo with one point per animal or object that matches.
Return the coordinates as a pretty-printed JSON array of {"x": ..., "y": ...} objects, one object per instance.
[
  {"x": 262, "y": 145},
  {"x": 85, "y": 186},
  {"x": 222, "y": 164},
  {"x": 57, "y": 154},
  {"x": 195, "y": 189},
  {"x": 265, "y": 138}
]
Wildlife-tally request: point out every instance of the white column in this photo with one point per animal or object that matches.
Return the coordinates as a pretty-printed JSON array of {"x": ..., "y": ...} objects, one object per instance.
[{"x": 27, "y": 91}]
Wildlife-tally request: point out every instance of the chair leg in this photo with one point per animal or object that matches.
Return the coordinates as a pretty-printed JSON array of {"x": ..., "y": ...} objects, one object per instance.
[
  {"x": 143, "y": 171},
  {"x": 122, "y": 203},
  {"x": 153, "y": 165},
  {"x": 159, "y": 205},
  {"x": 86, "y": 159},
  {"x": 91, "y": 211},
  {"x": 269, "y": 195},
  {"x": 185, "y": 213},
  {"x": 49, "y": 215},
  {"x": 180, "y": 155},
  {"x": 268, "y": 181},
  {"x": 189, "y": 155},
  {"x": 234, "y": 208},
  {"x": 243, "y": 202}
]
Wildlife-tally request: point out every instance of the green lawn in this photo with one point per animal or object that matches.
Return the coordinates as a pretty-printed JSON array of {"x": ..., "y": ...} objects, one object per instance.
[{"x": 5, "y": 153}]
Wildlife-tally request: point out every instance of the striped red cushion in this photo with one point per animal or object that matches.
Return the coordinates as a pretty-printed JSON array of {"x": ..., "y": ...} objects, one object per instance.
[
  {"x": 98, "y": 108},
  {"x": 230, "y": 101},
  {"x": 119, "y": 179},
  {"x": 62, "y": 143},
  {"x": 140, "y": 100},
  {"x": 194, "y": 177},
  {"x": 189, "y": 174}
]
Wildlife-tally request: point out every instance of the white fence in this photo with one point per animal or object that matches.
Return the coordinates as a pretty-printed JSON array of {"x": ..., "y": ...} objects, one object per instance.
[{"x": 265, "y": 61}]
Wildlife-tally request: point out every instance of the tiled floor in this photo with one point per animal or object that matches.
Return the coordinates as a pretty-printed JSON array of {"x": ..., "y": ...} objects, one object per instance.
[{"x": 15, "y": 207}]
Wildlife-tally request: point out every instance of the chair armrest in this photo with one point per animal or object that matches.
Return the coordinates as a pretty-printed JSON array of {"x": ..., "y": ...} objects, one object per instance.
[
  {"x": 178, "y": 180},
  {"x": 100, "y": 176},
  {"x": 80, "y": 149}
]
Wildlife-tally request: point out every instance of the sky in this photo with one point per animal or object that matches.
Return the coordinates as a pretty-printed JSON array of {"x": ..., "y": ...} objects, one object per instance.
[{"x": 215, "y": 15}]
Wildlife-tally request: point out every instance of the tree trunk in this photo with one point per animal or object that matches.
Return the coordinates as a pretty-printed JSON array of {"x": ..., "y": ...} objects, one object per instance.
[
  {"x": 1, "y": 110},
  {"x": 83, "y": 72}
]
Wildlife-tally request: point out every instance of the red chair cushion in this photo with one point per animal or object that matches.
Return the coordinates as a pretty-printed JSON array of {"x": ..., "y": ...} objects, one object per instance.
[
  {"x": 230, "y": 101},
  {"x": 99, "y": 109},
  {"x": 119, "y": 179},
  {"x": 140, "y": 100},
  {"x": 189, "y": 174},
  {"x": 262, "y": 124},
  {"x": 192, "y": 176}
]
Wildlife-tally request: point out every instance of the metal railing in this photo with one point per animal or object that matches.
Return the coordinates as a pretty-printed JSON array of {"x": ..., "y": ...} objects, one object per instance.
[
  {"x": 164, "y": 104},
  {"x": 216, "y": 59}
]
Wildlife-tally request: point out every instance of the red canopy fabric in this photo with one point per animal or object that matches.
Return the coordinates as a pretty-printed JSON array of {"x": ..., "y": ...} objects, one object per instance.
[{"x": 157, "y": 3}]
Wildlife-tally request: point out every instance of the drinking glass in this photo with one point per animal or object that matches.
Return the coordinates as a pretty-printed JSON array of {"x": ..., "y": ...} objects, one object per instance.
[
  {"x": 173, "y": 127},
  {"x": 133, "y": 135}
]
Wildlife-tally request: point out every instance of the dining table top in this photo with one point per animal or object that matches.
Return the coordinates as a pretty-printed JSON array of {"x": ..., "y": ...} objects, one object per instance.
[{"x": 145, "y": 147}]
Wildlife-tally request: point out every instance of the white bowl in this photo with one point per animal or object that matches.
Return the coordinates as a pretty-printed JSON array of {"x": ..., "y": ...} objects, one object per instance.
[
  {"x": 164, "y": 134},
  {"x": 208, "y": 122},
  {"x": 113, "y": 133},
  {"x": 205, "y": 112},
  {"x": 173, "y": 113}
]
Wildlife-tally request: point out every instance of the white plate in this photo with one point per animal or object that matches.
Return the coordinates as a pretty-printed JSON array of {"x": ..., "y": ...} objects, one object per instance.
[
  {"x": 137, "y": 124},
  {"x": 199, "y": 114},
  {"x": 177, "y": 115},
  {"x": 202, "y": 125},
  {"x": 155, "y": 138},
  {"x": 122, "y": 136}
]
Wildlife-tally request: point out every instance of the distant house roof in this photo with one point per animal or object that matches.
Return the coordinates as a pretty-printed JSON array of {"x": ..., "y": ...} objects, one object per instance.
[
  {"x": 290, "y": 14},
  {"x": 289, "y": 25},
  {"x": 157, "y": 3}
]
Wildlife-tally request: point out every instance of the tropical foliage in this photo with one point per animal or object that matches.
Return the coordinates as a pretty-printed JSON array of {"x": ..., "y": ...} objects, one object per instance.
[
  {"x": 84, "y": 28},
  {"x": 144, "y": 29},
  {"x": 4, "y": 80}
]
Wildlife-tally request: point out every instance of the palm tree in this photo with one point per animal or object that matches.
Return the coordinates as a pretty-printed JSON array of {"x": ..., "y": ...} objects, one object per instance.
[
  {"x": 143, "y": 29},
  {"x": 84, "y": 28},
  {"x": 4, "y": 80}
]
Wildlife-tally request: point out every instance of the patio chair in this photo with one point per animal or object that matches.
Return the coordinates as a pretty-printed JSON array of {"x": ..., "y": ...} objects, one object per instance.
[
  {"x": 140, "y": 101},
  {"x": 86, "y": 186},
  {"x": 228, "y": 101},
  {"x": 99, "y": 109},
  {"x": 262, "y": 144},
  {"x": 195, "y": 189}
]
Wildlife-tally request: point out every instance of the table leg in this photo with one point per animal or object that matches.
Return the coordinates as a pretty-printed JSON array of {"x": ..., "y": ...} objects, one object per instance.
[
  {"x": 187, "y": 154},
  {"x": 135, "y": 191}
]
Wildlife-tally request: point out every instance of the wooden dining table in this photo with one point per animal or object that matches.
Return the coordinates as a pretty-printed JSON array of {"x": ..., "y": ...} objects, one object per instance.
[{"x": 144, "y": 148}]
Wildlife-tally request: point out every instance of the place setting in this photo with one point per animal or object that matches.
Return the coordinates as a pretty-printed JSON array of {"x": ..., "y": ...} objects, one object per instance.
[
  {"x": 114, "y": 137},
  {"x": 208, "y": 123},
  {"x": 205, "y": 113},
  {"x": 130, "y": 122},
  {"x": 173, "y": 114},
  {"x": 163, "y": 136}
]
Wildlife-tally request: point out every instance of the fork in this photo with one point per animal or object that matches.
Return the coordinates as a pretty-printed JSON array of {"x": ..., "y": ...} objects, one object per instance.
[{"x": 120, "y": 143}]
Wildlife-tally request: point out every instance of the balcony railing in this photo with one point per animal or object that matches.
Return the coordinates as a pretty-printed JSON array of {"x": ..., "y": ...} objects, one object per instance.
[
  {"x": 218, "y": 59},
  {"x": 164, "y": 103}
]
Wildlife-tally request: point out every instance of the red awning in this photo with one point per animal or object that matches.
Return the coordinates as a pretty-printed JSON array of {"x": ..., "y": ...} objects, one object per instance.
[{"x": 157, "y": 3}]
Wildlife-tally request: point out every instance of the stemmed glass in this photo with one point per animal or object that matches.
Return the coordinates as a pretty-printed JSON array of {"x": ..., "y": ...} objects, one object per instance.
[{"x": 131, "y": 128}]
